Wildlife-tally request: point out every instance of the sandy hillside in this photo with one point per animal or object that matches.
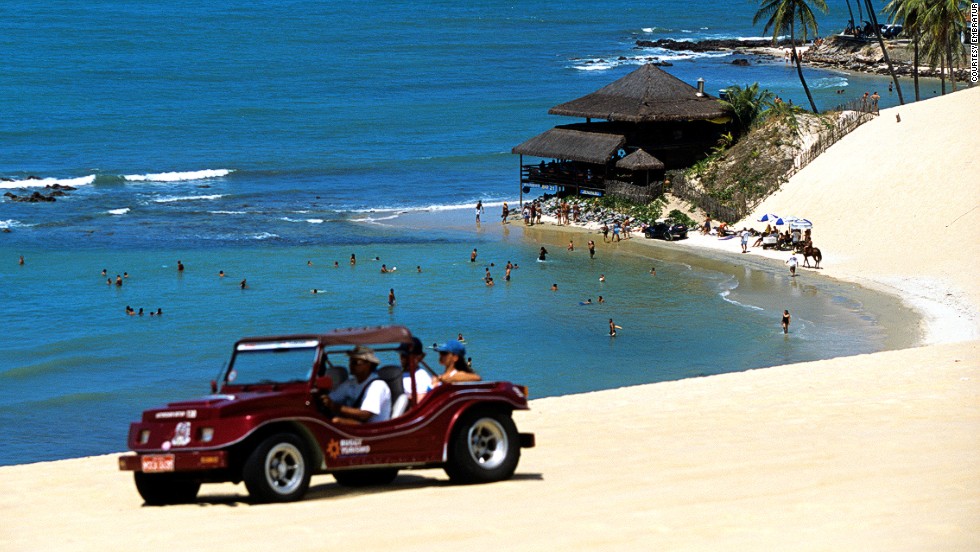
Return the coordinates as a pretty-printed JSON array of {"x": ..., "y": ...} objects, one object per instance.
[{"x": 897, "y": 204}]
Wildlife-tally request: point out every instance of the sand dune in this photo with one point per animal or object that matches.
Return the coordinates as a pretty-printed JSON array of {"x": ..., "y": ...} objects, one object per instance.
[
  {"x": 875, "y": 452},
  {"x": 895, "y": 205}
]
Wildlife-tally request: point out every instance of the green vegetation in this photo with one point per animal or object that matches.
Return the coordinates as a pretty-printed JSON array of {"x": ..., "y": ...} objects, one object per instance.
[
  {"x": 782, "y": 16},
  {"x": 647, "y": 212},
  {"x": 682, "y": 218},
  {"x": 747, "y": 105},
  {"x": 734, "y": 179}
]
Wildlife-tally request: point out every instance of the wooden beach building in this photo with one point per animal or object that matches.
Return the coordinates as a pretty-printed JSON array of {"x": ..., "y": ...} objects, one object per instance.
[{"x": 635, "y": 129}]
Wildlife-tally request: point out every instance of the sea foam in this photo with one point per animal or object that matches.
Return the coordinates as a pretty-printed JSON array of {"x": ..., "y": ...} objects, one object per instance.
[
  {"x": 171, "y": 199},
  {"x": 50, "y": 181},
  {"x": 178, "y": 176}
]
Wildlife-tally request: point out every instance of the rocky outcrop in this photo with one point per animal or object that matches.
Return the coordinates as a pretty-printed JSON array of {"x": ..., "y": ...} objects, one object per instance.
[
  {"x": 710, "y": 45},
  {"x": 863, "y": 55},
  {"x": 58, "y": 190}
]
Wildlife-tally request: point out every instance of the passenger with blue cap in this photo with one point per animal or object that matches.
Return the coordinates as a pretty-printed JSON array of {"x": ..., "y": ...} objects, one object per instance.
[{"x": 452, "y": 356}]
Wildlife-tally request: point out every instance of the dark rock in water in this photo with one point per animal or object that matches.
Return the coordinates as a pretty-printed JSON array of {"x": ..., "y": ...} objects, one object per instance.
[
  {"x": 6, "y": 230},
  {"x": 741, "y": 62},
  {"x": 709, "y": 45},
  {"x": 61, "y": 187},
  {"x": 36, "y": 197},
  {"x": 621, "y": 58}
]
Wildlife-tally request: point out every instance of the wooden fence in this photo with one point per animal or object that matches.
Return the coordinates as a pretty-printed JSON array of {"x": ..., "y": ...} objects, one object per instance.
[{"x": 739, "y": 205}]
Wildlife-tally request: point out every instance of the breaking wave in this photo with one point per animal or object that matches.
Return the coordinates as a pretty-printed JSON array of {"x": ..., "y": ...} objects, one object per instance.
[
  {"x": 178, "y": 176},
  {"x": 172, "y": 199},
  {"x": 50, "y": 181}
]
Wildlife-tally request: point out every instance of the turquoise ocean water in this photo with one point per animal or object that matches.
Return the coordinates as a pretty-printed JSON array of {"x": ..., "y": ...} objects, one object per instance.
[{"x": 251, "y": 138}]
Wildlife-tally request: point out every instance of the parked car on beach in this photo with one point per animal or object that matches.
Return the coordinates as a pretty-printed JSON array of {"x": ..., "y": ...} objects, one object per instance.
[
  {"x": 265, "y": 424},
  {"x": 666, "y": 229}
]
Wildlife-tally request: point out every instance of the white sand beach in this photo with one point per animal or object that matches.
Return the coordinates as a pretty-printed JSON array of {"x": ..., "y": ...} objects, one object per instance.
[{"x": 875, "y": 452}]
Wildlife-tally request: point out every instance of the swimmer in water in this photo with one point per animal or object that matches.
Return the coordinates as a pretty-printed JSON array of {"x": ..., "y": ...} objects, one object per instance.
[{"x": 353, "y": 259}]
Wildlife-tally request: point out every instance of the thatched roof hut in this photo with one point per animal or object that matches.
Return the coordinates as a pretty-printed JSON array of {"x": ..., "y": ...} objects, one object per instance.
[
  {"x": 640, "y": 160},
  {"x": 577, "y": 145},
  {"x": 646, "y": 95}
]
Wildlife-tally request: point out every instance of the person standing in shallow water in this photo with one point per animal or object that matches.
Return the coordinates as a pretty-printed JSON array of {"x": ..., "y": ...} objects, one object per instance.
[
  {"x": 391, "y": 297},
  {"x": 180, "y": 267},
  {"x": 785, "y": 322},
  {"x": 612, "y": 328}
]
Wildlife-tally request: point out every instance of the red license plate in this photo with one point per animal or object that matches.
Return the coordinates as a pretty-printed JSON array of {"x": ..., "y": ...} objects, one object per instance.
[{"x": 155, "y": 463}]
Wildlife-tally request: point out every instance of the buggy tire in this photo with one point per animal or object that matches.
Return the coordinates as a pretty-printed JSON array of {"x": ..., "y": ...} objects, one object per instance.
[
  {"x": 667, "y": 236},
  {"x": 161, "y": 489},
  {"x": 484, "y": 447},
  {"x": 278, "y": 470},
  {"x": 366, "y": 477}
]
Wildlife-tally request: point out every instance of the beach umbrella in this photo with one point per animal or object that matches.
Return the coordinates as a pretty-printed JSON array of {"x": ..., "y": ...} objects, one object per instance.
[
  {"x": 772, "y": 219},
  {"x": 800, "y": 223}
]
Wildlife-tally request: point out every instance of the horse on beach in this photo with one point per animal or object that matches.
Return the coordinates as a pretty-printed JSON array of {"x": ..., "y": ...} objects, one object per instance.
[{"x": 810, "y": 251}]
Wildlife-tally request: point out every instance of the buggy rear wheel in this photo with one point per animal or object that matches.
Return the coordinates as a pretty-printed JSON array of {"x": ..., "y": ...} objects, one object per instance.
[{"x": 484, "y": 447}]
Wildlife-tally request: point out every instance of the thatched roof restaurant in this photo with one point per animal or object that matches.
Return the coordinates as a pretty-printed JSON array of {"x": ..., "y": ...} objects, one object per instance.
[
  {"x": 647, "y": 122},
  {"x": 565, "y": 143},
  {"x": 646, "y": 95}
]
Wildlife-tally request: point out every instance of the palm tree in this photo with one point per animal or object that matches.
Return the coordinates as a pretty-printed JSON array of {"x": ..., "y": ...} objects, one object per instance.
[
  {"x": 781, "y": 16},
  {"x": 906, "y": 12},
  {"x": 851, "y": 12},
  {"x": 884, "y": 51},
  {"x": 942, "y": 21},
  {"x": 746, "y": 104}
]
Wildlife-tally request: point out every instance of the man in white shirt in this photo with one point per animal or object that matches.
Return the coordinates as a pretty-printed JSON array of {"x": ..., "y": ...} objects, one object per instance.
[{"x": 362, "y": 398}]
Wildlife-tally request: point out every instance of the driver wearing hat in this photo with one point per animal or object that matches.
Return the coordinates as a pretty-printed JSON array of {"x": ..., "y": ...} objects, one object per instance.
[{"x": 362, "y": 398}]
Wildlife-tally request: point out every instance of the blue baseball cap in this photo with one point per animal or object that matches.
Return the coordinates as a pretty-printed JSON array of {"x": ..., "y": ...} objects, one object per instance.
[{"x": 452, "y": 346}]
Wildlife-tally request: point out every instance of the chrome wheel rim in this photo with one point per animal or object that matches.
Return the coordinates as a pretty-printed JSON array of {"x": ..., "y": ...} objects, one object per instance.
[
  {"x": 487, "y": 443},
  {"x": 284, "y": 468}
]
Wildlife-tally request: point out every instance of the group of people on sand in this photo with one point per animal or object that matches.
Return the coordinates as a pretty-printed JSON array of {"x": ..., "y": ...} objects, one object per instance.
[
  {"x": 365, "y": 398},
  {"x": 621, "y": 230},
  {"x": 869, "y": 104},
  {"x": 531, "y": 213}
]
